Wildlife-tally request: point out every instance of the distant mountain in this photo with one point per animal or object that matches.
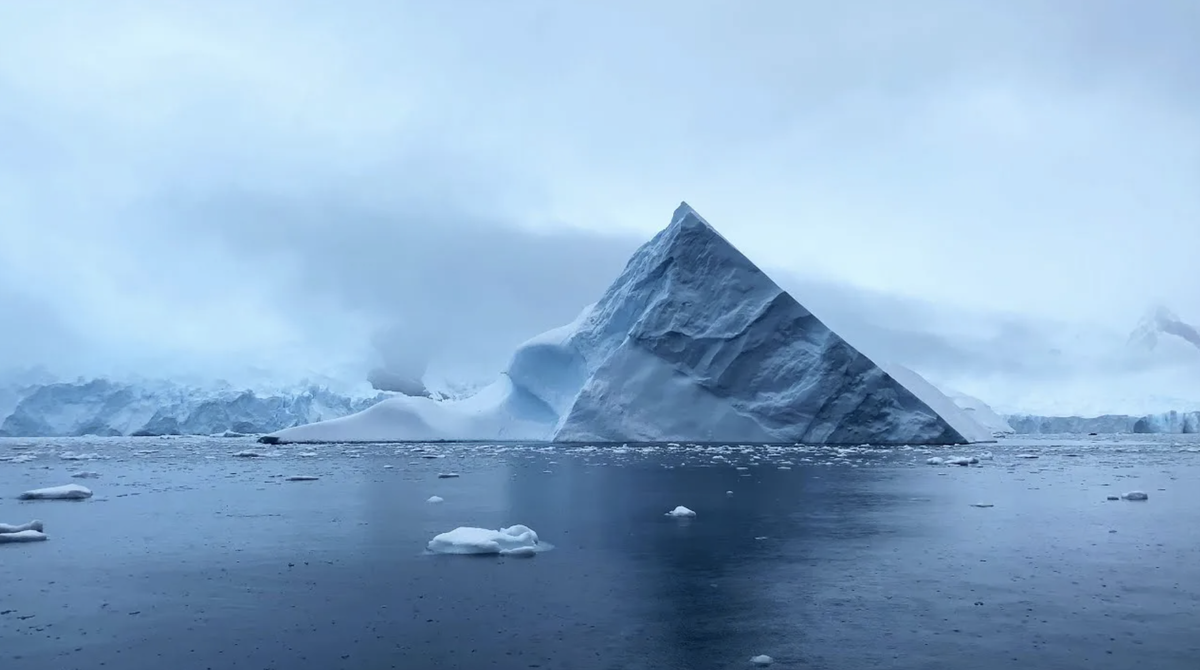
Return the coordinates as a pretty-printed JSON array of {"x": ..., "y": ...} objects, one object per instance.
[{"x": 1160, "y": 322}]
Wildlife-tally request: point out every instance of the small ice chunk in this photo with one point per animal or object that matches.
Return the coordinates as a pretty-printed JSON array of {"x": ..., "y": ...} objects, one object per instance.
[
  {"x": 23, "y": 536},
  {"x": 435, "y": 499},
  {"x": 301, "y": 478},
  {"x": 935, "y": 460},
  {"x": 962, "y": 460},
  {"x": 247, "y": 453},
  {"x": 762, "y": 660},
  {"x": 72, "y": 456},
  {"x": 519, "y": 552},
  {"x": 447, "y": 475},
  {"x": 469, "y": 540},
  {"x": 681, "y": 512},
  {"x": 307, "y": 454},
  {"x": 64, "y": 492},
  {"x": 1026, "y": 456},
  {"x": 987, "y": 456},
  {"x": 1136, "y": 495},
  {"x": 85, "y": 474},
  {"x": 729, "y": 493},
  {"x": 32, "y": 525}
]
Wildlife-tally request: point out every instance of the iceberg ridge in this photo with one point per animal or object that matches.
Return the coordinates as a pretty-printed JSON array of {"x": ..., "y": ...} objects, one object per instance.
[{"x": 694, "y": 342}]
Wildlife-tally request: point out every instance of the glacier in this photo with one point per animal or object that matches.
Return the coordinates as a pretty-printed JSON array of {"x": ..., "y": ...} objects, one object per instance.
[
  {"x": 691, "y": 342},
  {"x": 1163, "y": 422},
  {"x": 105, "y": 407}
]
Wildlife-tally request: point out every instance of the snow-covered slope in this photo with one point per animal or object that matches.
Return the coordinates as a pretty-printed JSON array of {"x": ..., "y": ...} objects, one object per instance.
[
  {"x": 106, "y": 407},
  {"x": 982, "y": 413},
  {"x": 1159, "y": 322},
  {"x": 691, "y": 342}
]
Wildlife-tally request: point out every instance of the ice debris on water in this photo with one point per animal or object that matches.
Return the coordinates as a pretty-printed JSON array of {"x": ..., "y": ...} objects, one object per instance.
[
  {"x": 85, "y": 474},
  {"x": 26, "y": 532},
  {"x": 762, "y": 660},
  {"x": 516, "y": 540},
  {"x": 64, "y": 492},
  {"x": 681, "y": 512},
  {"x": 447, "y": 475},
  {"x": 435, "y": 499},
  {"x": 1136, "y": 495}
]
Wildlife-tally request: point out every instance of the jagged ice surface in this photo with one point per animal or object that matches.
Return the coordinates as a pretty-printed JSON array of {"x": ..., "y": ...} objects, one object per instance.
[{"x": 691, "y": 342}]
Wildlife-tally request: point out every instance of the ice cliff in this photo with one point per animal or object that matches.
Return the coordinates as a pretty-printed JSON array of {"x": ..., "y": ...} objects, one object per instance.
[
  {"x": 1166, "y": 422},
  {"x": 691, "y": 342}
]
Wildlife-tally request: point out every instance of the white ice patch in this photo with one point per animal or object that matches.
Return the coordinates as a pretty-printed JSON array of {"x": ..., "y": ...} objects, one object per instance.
[
  {"x": 762, "y": 660},
  {"x": 435, "y": 499},
  {"x": 515, "y": 540},
  {"x": 23, "y": 536},
  {"x": 64, "y": 492},
  {"x": 34, "y": 525},
  {"x": 681, "y": 512},
  {"x": 72, "y": 456}
]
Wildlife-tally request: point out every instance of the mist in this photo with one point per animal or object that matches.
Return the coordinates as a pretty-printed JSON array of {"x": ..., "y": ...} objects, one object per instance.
[{"x": 991, "y": 193}]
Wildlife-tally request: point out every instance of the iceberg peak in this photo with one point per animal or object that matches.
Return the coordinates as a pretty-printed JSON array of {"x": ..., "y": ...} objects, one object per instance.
[{"x": 691, "y": 342}]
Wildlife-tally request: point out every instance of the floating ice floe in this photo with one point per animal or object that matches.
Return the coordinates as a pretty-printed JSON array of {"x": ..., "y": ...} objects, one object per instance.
[
  {"x": 85, "y": 474},
  {"x": 1136, "y": 495},
  {"x": 64, "y": 492},
  {"x": 248, "y": 453},
  {"x": 681, "y": 512},
  {"x": 32, "y": 525},
  {"x": 26, "y": 532},
  {"x": 72, "y": 456},
  {"x": 515, "y": 540},
  {"x": 435, "y": 499},
  {"x": 762, "y": 660}
]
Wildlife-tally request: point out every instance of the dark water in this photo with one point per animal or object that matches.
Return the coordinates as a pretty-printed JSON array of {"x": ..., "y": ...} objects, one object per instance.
[{"x": 188, "y": 557}]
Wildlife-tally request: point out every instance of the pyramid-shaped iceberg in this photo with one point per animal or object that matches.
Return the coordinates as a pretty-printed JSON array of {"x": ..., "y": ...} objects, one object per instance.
[{"x": 692, "y": 342}]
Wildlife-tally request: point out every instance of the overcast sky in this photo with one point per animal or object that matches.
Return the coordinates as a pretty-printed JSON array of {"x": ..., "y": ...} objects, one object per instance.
[{"x": 199, "y": 185}]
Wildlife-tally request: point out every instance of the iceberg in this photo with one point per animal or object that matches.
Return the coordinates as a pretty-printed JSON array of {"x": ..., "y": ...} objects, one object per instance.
[
  {"x": 692, "y": 342},
  {"x": 982, "y": 413}
]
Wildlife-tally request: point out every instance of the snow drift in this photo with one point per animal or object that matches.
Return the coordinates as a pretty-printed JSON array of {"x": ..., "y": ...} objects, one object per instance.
[{"x": 691, "y": 342}]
